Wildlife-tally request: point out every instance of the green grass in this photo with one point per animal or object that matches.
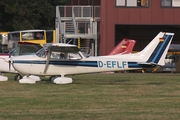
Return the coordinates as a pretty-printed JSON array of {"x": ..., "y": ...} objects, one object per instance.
[{"x": 121, "y": 96}]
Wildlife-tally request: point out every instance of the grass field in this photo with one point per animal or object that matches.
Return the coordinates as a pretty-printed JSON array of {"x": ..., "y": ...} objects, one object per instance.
[{"x": 121, "y": 96}]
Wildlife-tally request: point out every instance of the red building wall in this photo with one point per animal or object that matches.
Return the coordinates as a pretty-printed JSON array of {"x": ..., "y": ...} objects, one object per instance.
[{"x": 111, "y": 15}]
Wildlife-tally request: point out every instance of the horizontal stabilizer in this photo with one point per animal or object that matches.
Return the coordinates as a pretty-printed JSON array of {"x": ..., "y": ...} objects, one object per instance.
[{"x": 147, "y": 63}]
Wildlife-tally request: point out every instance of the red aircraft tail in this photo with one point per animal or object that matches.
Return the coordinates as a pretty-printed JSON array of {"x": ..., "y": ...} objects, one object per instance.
[{"x": 125, "y": 46}]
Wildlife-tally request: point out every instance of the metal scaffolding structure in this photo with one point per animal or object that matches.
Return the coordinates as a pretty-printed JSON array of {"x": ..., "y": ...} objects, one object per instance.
[{"x": 78, "y": 25}]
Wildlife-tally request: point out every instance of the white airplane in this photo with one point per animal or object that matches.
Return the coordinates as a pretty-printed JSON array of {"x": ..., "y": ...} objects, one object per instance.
[
  {"x": 26, "y": 48},
  {"x": 59, "y": 60},
  {"x": 23, "y": 48}
]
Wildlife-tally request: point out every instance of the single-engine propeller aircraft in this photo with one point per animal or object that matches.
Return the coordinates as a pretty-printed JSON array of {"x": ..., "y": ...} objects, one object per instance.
[
  {"x": 58, "y": 60},
  {"x": 23, "y": 48}
]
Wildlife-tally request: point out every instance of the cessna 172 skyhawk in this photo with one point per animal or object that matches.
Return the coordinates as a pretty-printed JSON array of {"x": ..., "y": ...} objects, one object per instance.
[
  {"x": 25, "y": 48},
  {"x": 63, "y": 59}
]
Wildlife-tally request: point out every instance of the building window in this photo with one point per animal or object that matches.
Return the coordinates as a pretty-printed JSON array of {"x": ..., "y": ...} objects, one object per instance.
[
  {"x": 170, "y": 3},
  {"x": 132, "y": 3}
]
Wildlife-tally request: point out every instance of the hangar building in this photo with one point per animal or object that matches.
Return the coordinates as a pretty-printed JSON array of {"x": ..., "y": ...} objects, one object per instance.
[{"x": 140, "y": 20}]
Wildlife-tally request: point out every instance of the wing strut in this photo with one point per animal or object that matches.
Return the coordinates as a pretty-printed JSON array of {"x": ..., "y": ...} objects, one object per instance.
[{"x": 47, "y": 62}]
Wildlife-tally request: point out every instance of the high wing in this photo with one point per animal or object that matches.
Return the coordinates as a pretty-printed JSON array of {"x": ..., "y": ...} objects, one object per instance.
[{"x": 50, "y": 62}]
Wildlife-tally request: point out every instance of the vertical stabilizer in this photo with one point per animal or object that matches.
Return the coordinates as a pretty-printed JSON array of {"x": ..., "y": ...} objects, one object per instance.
[{"x": 156, "y": 50}]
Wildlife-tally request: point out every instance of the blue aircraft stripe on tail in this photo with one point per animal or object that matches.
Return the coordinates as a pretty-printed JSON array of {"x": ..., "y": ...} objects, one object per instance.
[{"x": 158, "y": 52}]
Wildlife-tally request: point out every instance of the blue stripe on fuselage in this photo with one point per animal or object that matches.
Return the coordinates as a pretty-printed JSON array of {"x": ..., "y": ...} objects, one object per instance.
[
  {"x": 136, "y": 65},
  {"x": 75, "y": 63},
  {"x": 29, "y": 62},
  {"x": 133, "y": 65},
  {"x": 71, "y": 63}
]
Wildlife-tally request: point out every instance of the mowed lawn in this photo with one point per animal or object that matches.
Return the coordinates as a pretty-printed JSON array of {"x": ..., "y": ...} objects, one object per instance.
[{"x": 120, "y": 96}]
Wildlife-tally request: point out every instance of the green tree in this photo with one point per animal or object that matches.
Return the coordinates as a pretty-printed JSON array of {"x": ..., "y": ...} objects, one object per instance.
[{"x": 24, "y": 14}]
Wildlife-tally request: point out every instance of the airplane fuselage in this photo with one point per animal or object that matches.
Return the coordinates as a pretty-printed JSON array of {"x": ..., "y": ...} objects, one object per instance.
[{"x": 36, "y": 65}]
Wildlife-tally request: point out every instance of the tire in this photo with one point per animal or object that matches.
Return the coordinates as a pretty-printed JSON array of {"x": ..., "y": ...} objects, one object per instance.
[{"x": 17, "y": 77}]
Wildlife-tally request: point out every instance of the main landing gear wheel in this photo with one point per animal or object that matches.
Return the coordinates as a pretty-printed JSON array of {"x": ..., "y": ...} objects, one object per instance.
[
  {"x": 17, "y": 77},
  {"x": 52, "y": 78}
]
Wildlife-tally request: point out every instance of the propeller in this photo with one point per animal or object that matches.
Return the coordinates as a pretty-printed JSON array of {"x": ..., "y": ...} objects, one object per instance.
[{"x": 9, "y": 62}]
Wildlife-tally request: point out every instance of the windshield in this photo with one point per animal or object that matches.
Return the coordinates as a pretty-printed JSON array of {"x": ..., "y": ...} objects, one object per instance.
[{"x": 65, "y": 55}]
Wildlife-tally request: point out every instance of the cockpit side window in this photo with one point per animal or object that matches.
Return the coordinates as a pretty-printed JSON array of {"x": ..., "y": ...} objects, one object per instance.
[
  {"x": 65, "y": 56},
  {"x": 74, "y": 56}
]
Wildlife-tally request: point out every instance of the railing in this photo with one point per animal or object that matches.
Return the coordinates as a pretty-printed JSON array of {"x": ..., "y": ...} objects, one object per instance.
[
  {"x": 78, "y": 23},
  {"x": 80, "y": 12}
]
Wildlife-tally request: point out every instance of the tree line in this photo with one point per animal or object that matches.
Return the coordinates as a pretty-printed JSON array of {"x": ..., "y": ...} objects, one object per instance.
[{"x": 28, "y": 14}]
